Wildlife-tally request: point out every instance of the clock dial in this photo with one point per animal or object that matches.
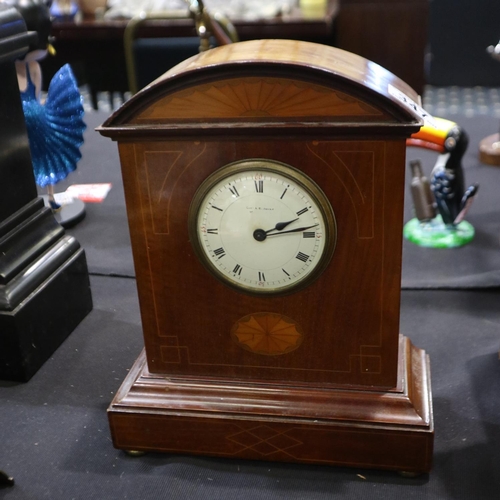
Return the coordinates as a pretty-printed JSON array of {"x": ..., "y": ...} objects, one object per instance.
[{"x": 262, "y": 226}]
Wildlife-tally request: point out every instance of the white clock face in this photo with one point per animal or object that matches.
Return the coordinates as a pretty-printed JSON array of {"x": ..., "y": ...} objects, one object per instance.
[{"x": 262, "y": 226}]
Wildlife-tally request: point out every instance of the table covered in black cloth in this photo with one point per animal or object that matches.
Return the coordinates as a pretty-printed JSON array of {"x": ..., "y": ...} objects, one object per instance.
[{"x": 54, "y": 434}]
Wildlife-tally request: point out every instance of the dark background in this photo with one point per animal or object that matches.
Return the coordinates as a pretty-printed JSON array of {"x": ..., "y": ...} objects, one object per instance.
[{"x": 459, "y": 33}]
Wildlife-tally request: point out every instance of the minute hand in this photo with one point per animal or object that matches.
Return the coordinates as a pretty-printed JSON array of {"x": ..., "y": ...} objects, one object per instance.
[{"x": 297, "y": 230}]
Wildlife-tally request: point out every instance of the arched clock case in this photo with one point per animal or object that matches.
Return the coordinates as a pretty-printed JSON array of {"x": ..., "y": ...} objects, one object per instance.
[{"x": 264, "y": 184}]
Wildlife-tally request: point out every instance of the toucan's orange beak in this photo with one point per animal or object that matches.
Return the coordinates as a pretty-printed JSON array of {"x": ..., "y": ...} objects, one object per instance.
[{"x": 433, "y": 138}]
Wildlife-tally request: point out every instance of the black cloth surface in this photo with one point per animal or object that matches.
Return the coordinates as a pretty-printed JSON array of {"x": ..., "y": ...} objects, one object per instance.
[
  {"x": 105, "y": 237},
  {"x": 55, "y": 437},
  {"x": 104, "y": 232}
]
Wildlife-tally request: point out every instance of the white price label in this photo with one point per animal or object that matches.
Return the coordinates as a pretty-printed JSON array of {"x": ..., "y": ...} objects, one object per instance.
[{"x": 89, "y": 193}]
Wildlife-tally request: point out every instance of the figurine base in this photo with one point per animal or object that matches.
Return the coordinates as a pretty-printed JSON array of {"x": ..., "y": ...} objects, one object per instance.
[
  {"x": 69, "y": 214},
  {"x": 435, "y": 234},
  {"x": 370, "y": 428},
  {"x": 489, "y": 150}
]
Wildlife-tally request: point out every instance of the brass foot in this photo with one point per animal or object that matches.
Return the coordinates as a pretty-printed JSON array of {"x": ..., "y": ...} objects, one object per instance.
[
  {"x": 404, "y": 473},
  {"x": 135, "y": 453}
]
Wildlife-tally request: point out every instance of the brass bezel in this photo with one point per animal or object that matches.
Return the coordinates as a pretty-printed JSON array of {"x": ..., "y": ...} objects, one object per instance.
[{"x": 295, "y": 175}]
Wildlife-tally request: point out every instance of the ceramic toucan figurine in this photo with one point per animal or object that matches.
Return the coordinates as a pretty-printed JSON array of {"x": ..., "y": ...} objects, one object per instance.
[{"x": 447, "y": 179}]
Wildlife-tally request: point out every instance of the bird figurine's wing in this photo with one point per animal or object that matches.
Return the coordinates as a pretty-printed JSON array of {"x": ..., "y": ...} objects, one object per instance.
[{"x": 466, "y": 202}]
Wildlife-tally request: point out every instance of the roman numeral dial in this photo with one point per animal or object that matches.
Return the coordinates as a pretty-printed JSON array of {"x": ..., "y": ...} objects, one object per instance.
[{"x": 262, "y": 227}]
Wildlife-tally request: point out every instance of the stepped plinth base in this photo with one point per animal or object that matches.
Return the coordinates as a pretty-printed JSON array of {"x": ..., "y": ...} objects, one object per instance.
[{"x": 347, "y": 427}]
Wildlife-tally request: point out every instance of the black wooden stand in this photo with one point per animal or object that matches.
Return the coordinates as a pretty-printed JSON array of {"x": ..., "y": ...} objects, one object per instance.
[{"x": 44, "y": 284}]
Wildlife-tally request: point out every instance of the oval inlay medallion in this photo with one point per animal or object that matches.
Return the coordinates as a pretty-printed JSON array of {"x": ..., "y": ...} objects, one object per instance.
[{"x": 267, "y": 333}]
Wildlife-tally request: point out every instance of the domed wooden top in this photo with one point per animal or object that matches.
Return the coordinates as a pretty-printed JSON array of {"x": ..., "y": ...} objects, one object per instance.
[{"x": 270, "y": 84}]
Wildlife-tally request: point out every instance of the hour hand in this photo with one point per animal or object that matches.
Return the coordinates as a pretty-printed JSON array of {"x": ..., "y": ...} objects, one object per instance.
[
  {"x": 297, "y": 230},
  {"x": 281, "y": 225}
]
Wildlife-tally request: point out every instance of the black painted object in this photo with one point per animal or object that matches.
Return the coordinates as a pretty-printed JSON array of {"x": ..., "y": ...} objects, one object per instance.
[
  {"x": 44, "y": 284},
  {"x": 5, "y": 479}
]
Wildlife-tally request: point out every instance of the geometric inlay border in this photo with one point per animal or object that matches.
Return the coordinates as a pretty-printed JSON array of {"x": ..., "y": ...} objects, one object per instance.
[{"x": 264, "y": 440}]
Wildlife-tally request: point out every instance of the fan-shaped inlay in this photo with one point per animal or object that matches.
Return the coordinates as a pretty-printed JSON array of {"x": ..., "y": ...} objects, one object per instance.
[
  {"x": 257, "y": 97},
  {"x": 267, "y": 333}
]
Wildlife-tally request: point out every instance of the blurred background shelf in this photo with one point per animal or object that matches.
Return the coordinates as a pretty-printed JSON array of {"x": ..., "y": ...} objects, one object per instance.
[{"x": 392, "y": 33}]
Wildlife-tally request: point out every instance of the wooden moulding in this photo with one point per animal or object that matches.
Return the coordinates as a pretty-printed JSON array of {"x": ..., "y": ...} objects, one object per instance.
[{"x": 230, "y": 418}]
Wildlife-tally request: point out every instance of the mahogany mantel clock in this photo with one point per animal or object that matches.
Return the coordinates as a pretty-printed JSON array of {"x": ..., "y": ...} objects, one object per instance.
[{"x": 264, "y": 184}]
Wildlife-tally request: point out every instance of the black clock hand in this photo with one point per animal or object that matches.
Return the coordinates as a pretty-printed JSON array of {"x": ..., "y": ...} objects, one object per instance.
[
  {"x": 281, "y": 225},
  {"x": 261, "y": 235},
  {"x": 297, "y": 230}
]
